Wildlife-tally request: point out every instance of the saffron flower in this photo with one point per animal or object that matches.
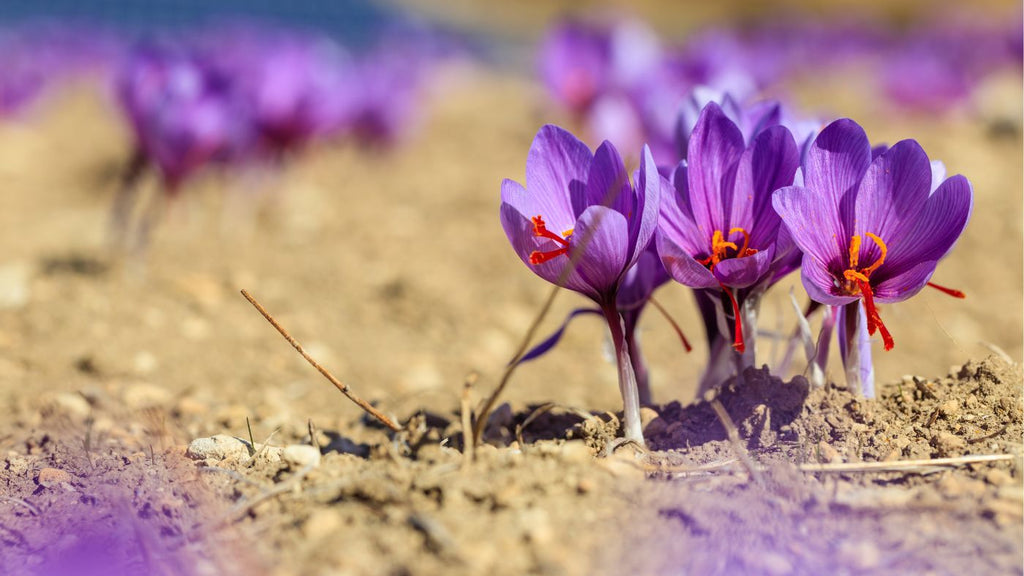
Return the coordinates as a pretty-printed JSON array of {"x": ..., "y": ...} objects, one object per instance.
[
  {"x": 581, "y": 224},
  {"x": 871, "y": 231},
  {"x": 718, "y": 233}
]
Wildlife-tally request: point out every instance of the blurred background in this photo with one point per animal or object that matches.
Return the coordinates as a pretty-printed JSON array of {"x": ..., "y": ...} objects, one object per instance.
[{"x": 342, "y": 161}]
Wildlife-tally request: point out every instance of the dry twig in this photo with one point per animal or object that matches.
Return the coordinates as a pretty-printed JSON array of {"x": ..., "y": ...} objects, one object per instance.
[{"x": 343, "y": 388}]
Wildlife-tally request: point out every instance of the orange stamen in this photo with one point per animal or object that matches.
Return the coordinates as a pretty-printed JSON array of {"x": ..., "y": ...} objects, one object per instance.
[
  {"x": 720, "y": 248},
  {"x": 950, "y": 291},
  {"x": 737, "y": 343},
  {"x": 881, "y": 257}
]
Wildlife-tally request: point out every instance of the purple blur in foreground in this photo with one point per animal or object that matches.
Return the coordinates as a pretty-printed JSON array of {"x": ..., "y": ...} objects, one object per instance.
[
  {"x": 871, "y": 231},
  {"x": 718, "y": 232},
  {"x": 581, "y": 224}
]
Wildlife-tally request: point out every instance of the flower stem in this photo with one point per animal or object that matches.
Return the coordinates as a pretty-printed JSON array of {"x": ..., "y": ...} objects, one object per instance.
[
  {"x": 627, "y": 378},
  {"x": 643, "y": 383},
  {"x": 855, "y": 349}
]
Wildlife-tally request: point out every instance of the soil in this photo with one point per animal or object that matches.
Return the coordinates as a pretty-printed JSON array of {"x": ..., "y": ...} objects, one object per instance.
[{"x": 130, "y": 383}]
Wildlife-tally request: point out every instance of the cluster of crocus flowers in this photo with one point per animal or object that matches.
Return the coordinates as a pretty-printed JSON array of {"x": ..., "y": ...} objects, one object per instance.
[
  {"x": 872, "y": 231},
  {"x": 867, "y": 226},
  {"x": 582, "y": 223}
]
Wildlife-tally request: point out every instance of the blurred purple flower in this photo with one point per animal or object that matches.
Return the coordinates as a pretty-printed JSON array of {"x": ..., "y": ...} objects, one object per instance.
[
  {"x": 580, "y": 223},
  {"x": 183, "y": 112},
  {"x": 871, "y": 231}
]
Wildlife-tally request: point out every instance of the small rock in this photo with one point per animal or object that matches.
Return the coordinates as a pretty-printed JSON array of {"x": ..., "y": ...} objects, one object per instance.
[
  {"x": 998, "y": 477},
  {"x": 827, "y": 454},
  {"x": 301, "y": 455},
  {"x": 50, "y": 477},
  {"x": 219, "y": 447},
  {"x": 144, "y": 395},
  {"x": 68, "y": 404},
  {"x": 948, "y": 444},
  {"x": 576, "y": 452},
  {"x": 950, "y": 408}
]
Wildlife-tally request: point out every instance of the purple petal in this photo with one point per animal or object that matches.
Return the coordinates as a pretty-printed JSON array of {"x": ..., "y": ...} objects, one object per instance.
[
  {"x": 892, "y": 192},
  {"x": 819, "y": 283},
  {"x": 769, "y": 164},
  {"x": 906, "y": 284},
  {"x": 607, "y": 183},
  {"x": 934, "y": 230},
  {"x": 835, "y": 165},
  {"x": 744, "y": 272},
  {"x": 715, "y": 149},
  {"x": 603, "y": 236},
  {"x": 813, "y": 224},
  {"x": 643, "y": 223},
  {"x": 557, "y": 163},
  {"x": 681, "y": 266},
  {"x": 676, "y": 218}
]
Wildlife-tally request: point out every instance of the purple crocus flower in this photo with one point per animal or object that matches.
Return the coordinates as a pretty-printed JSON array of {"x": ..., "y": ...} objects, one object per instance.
[
  {"x": 181, "y": 111},
  {"x": 581, "y": 224},
  {"x": 871, "y": 231},
  {"x": 718, "y": 233}
]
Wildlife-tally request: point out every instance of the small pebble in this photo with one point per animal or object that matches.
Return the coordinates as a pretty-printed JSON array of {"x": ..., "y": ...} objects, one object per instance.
[
  {"x": 577, "y": 452},
  {"x": 827, "y": 454},
  {"x": 950, "y": 408},
  {"x": 998, "y": 477},
  {"x": 301, "y": 455},
  {"x": 948, "y": 444},
  {"x": 219, "y": 447},
  {"x": 50, "y": 477}
]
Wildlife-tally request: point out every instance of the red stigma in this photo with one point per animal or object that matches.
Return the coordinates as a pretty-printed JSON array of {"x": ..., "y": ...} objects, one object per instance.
[
  {"x": 541, "y": 231},
  {"x": 949, "y": 291},
  {"x": 737, "y": 343},
  {"x": 874, "y": 319}
]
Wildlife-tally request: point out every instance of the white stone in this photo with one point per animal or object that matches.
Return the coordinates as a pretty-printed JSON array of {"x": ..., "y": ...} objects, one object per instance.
[{"x": 301, "y": 455}]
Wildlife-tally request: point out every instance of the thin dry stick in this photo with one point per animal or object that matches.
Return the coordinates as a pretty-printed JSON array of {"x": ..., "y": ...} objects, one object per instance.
[
  {"x": 905, "y": 465},
  {"x": 467, "y": 419},
  {"x": 737, "y": 445},
  {"x": 343, "y": 388},
  {"x": 574, "y": 258}
]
